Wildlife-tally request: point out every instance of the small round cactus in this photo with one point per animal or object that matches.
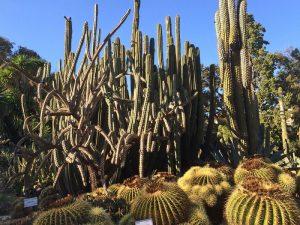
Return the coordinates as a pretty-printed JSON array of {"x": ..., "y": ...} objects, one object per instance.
[
  {"x": 198, "y": 215},
  {"x": 99, "y": 216},
  {"x": 204, "y": 184},
  {"x": 164, "y": 202},
  {"x": 287, "y": 183},
  {"x": 47, "y": 196},
  {"x": 75, "y": 213},
  {"x": 258, "y": 168},
  {"x": 256, "y": 202},
  {"x": 226, "y": 171},
  {"x": 128, "y": 219}
]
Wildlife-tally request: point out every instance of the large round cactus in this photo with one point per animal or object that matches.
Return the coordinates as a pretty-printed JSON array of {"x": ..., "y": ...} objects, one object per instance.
[
  {"x": 256, "y": 202},
  {"x": 298, "y": 182},
  {"x": 258, "y": 168},
  {"x": 131, "y": 188},
  {"x": 164, "y": 202},
  {"x": 73, "y": 214}
]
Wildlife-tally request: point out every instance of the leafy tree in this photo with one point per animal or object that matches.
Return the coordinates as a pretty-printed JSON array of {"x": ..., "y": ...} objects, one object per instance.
[{"x": 13, "y": 85}]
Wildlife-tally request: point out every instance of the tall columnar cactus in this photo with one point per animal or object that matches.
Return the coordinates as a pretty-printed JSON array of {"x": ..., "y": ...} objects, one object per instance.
[
  {"x": 236, "y": 75},
  {"x": 284, "y": 132},
  {"x": 256, "y": 202},
  {"x": 165, "y": 203},
  {"x": 76, "y": 213}
]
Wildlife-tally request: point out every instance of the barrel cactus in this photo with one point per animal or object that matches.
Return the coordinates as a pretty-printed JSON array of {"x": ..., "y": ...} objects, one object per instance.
[
  {"x": 258, "y": 168},
  {"x": 198, "y": 215},
  {"x": 164, "y": 202},
  {"x": 128, "y": 219},
  {"x": 298, "y": 182},
  {"x": 73, "y": 214},
  {"x": 131, "y": 188},
  {"x": 204, "y": 184},
  {"x": 47, "y": 196},
  {"x": 226, "y": 171},
  {"x": 287, "y": 182},
  {"x": 165, "y": 176},
  {"x": 114, "y": 188},
  {"x": 256, "y": 202},
  {"x": 99, "y": 216}
]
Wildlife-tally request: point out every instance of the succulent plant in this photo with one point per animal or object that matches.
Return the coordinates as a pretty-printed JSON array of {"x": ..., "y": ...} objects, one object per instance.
[
  {"x": 258, "y": 168},
  {"x": 164, "y": 202},
  {"x": 18, "y": 209},
  {"x": 73, "y": 214},
  {"x": 128, "y": 219},
  {"x": 114, "y": 188},
  {"x": 298, "y": 182},
  {"x": 226, "y": 171},
  {"x": 204, "y": 183},
  {"x": 99, "y": 216},
  {"x": 114, "y": 206},
  {"x": 256, "y": 201},
  {"x": 287, "y": 183},
  {"x": 198, "y": 215},
  {"x": 131, "y": 188},
  {"x": 165, "y": 176},
  {"x": 47, "y": 196}
]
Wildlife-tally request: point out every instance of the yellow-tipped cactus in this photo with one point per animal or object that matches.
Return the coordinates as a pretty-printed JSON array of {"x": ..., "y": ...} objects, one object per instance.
[
  {"x": 257, "y": 202},
  {"x": 99, "y": 216},
  {"x": 72, "y": 214},
  {"x": 198, "y": 215},
  {"x": 204, "y": 183},
  {"x": 164, "y": 202},
  {"x": 127, "y": 220},
  {"x": 287, "y": 183}
]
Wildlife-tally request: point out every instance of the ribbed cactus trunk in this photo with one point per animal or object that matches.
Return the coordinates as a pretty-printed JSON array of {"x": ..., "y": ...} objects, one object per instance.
[
  {"x": 284, "y": 131},
  {"x": 236, "y": 76},
  {"x": 212, "y": 106}
]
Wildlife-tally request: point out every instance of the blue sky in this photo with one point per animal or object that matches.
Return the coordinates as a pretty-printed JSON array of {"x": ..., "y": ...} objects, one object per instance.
[{"x": 39, "y": 24}]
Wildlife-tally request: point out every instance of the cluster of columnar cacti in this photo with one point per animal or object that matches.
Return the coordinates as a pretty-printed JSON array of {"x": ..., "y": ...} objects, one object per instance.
[
  {"x": 204, "y": 184},
  {"x": 75, "y": 213},
  {"x": 236, "y": 75},
  {"x": 96, "y": 121},
  {"x": 257, "y": 201},
  {"x": 165, "y": 203}
]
